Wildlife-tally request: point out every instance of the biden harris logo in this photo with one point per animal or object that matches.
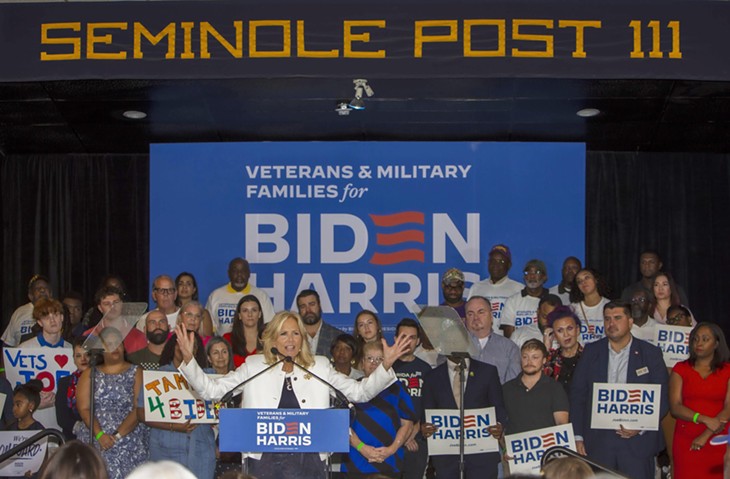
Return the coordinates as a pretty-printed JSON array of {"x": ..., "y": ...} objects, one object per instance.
[
  {"x": 284, "y": 433},
  {"x": 359, "y": 260},
  {"x": 532, "y": 448},
  {"x": 475, "y": 426},
  {"x": 626, "y": 402}
]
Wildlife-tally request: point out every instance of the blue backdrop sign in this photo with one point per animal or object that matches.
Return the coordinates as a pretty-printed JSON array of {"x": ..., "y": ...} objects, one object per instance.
[
  {"x": 284, "y": 430},
  {"x": 368, "y": 225}
]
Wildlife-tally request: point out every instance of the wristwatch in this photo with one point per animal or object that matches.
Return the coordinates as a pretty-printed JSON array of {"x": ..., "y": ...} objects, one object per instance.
[{"x": 116, "y": 435}]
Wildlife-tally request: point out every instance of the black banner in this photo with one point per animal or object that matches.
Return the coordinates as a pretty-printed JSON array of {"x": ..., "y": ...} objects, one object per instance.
[{"x": 378, "y": 38}]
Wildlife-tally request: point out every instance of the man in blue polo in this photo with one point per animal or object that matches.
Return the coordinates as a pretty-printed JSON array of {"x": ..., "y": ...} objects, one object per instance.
[{"x": 49, "y": 315}]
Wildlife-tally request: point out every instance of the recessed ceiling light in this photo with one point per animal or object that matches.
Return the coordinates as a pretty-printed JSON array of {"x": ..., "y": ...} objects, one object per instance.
[
  {"x": 588, "y": 112},
  {"x": 134, "y": 115}
]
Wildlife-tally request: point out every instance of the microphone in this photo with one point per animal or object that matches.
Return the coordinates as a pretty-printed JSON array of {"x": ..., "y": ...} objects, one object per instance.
[
  {"x": 338, "y": 394},
  {"x": 227, "y": 396},
  {"x": 276, "y": 352}
]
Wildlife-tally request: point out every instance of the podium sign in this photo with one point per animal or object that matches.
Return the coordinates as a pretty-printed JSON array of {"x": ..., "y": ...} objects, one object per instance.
[{"x": 284, "y": 430}]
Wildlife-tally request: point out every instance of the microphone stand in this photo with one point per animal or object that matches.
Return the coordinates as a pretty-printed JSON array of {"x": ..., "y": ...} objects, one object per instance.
[
  {"x": 460, "y": 359},
  {"x": 227, "y": 396},
  {"x": 339, "y": 395},
  {"x": 460, "y": 368},
  {"x": 94, "y": 356}
]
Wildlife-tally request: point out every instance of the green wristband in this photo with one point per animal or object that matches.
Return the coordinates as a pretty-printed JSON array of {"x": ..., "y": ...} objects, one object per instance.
[
  {"x": 694, "y": 418},
  {"x": 360, "y": 446},
  {"x": 99, "y": 434}
]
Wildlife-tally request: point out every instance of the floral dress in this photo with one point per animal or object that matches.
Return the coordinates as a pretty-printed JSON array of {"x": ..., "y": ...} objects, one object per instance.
[{"x": 114, "y": 399}]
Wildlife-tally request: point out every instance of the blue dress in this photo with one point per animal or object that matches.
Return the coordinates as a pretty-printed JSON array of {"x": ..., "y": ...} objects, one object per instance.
[
  {"x": 196, "y": 450},
  {"x": 114, "y": 399}
]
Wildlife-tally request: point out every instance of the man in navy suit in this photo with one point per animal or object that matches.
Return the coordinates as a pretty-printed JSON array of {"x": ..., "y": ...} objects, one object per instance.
[
  {"x": 483, "y": 389},
  {"x": 617, "y": 358}
]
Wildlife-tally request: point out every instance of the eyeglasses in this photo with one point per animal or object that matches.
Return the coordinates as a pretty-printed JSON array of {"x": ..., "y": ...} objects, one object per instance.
[
  {"x": 373, "y": 360},
  {"x": 639, "y": 300},
  {"x": 497, "y": 260},
  {"x": 165, "y": 291},
  {"x": 189, "y": 314},
  {"x": 676, "y": 319},
  {"x": 536, "y": 271}
]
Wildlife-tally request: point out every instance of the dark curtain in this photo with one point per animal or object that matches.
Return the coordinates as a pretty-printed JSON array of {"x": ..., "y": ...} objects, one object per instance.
[
  {"x": 675, "y": 203},
  {"x": 77, "y": 218},
  {"x": 73, "y": 218}
]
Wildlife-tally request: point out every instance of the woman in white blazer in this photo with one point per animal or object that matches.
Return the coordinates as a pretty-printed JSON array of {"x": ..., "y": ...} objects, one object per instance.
[{"x": 287, "y": 386}]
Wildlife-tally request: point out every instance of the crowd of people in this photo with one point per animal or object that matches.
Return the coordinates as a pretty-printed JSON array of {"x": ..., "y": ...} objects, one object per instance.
[{"x": 538, "y": 353}]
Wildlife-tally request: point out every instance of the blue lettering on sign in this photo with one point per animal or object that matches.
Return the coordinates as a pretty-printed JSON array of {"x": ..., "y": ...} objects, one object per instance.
[{"x": 523, "y": 321}]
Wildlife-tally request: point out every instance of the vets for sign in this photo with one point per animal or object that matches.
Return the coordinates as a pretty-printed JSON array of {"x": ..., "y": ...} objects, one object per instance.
[
  {"x": 674, "y": 343},
  {"x": 526, "y": 449},
  {"x": 635, "y": 406},
  {"x": 168, "y": 398},
  {"x": 445, "y": 441},
  {"x": 46, "y": 364}
]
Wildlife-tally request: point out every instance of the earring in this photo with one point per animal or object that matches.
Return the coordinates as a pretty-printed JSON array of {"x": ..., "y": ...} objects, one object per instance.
[{"x": 352, "y": 362}]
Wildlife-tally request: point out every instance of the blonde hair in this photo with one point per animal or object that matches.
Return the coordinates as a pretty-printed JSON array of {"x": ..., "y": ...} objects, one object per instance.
[{"x": 271, "y": 333}]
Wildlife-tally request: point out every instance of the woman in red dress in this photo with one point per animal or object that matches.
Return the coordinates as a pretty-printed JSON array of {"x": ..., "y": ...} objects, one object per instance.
[
  {"x": 699, "y": 399},
  {"x": 248, "y": 324}
]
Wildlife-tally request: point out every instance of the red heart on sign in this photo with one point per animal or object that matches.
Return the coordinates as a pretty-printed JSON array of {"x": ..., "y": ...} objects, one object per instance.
[{"x": 60, "y": 359}]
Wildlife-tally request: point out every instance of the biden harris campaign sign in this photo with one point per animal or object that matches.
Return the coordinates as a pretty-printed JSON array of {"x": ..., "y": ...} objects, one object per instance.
[{"x": 368, "y": 225}]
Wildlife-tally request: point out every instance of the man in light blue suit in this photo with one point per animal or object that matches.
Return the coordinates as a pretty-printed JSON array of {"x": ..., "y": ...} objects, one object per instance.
[{"x": 618, "y": 358}]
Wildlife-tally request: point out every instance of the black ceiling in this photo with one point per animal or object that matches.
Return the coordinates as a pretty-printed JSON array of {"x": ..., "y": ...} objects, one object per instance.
[{"x": 637, "y": 115}]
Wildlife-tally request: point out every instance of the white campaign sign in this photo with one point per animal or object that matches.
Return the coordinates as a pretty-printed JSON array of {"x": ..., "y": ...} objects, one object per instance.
[
  {"x": 445, "y": 441},
  {"x": 674, "y": 343},
  {"x": 168, "y": 398},
  {"x": 633, "y": 406},
  {"x": 527, "y": 448},
  {"x": 29, "y": 459}
]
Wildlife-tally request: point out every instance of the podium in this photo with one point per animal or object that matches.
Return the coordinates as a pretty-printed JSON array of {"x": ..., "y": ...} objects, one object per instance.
[{"x": 275, "y": 430}]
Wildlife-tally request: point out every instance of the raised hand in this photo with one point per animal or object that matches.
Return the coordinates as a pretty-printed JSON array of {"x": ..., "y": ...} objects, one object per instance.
[
  {"x": 392, "y": 353},
  {"x": 185, "y": 341}
]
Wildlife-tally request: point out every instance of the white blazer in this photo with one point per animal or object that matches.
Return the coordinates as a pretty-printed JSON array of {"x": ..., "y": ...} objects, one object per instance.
[{"x": 265, "y": 390}]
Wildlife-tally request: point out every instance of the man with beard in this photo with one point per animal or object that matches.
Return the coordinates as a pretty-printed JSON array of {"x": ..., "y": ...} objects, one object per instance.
[
  {"x": 520, "y": 309},
  {"x": 319, "y": 334},
  {"x": 534, "y": 400},
  {"x": 157, "y": 330},
  {"x": 645, "y": 327},
  {"x": 498, "y": 286},
  {"x": 452, "y": 286},
  {"x": 571, "y": 266},
  {"x": 223, "y": 301},
  {"x": 618, "y": 358}
]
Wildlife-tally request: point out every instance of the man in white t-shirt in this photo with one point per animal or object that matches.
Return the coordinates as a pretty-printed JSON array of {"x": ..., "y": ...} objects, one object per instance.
[
  {"x": 571, "y": 266},
  {"x": 520, "y": 309},
  {"x": 645, "y": 327},
  {"x": 223, "y": 301},
  {"x": 22, "y": 319},
  {"x": 164, "y": 293},
  {"x": 537, "y": 329},
  {"x": 498, "y": 286}
]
